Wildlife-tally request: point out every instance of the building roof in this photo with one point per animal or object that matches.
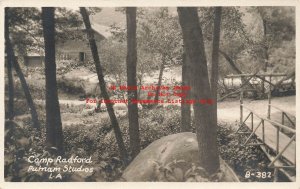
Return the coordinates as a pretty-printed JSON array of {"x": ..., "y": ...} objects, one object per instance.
[{"x": 102, "y": 30}]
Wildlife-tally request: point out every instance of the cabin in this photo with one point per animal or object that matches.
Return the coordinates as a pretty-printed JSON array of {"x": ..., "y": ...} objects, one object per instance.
[
  {"x": 78, "y": 49},
  {"x": 34, "y": 59},
  {"x": 70, "y": 49},
  {"x": 30, "y": 60}
]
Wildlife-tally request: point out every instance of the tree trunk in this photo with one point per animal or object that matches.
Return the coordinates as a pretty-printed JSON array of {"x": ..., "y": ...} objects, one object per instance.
[
  {"x": 99, "y": 70},
  {"x": 266, "y": 55},
  {"x": 140, "y": 84},
  {"x": 11, "y": 56},
  {"x": 206, "y": 129},
  {"x": 131, "y": 62},
  {"x": 9, "y": 64},
  {"x": 11, "y": 95},
  {"x": 231, "y": 63},
  {"x": 54, "y": 134},
  {"x": 215, "y": 60},
  {"x": 185, "y": 107},
  {"x": 161, "y": 71}
]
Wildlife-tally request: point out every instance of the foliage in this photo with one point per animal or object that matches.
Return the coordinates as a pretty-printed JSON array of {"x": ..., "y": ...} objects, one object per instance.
[
  {"x": 275, "y": 30},
  {"x": 234, "y": 38},
  {"x": 98, "y": 140},
  {"x": 242, "y": 158},
  {"x": 19, "y": 144},
  {"x": 243, "y": 40},
  {"x": 280, "y": 23},
  {"x": 25, "y": 27},
  {"x": 65, "y": 66},
  {"x": 159, "y": 34},
  {"x": 26, "y": 30},
  {"x": 173, "y": 172},
  {"x": 113, "y": 56}
]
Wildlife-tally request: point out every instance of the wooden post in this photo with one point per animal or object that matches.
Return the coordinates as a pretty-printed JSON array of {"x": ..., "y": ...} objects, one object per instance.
[
  {"x": 282, "y": 119},
  {"x": 269, "y": 99},
  {"x": 263, "y": 130},
  {"x": 295, "y": 152},
  {"x": 282, "y": 151},
  {"x": 275, "y": 174},
  {"x": 277, "y": 140},
  {"x": 252, "y": 121},
  {"x": 241, "y": 107},
  {"x": 241, "y": 103}
]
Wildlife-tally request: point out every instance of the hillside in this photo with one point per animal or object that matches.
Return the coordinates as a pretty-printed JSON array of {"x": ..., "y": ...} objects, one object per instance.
[{"x": 108, "y": 17}]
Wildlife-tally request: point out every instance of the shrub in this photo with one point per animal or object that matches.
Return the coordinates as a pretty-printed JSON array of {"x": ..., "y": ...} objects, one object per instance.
[{"x": 242, "y": 158}]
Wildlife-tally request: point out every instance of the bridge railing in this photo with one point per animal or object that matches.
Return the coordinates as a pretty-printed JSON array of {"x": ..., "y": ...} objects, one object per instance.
[
  {"x": 283, "y": 115},
  {"x": 280, "y": 127}
]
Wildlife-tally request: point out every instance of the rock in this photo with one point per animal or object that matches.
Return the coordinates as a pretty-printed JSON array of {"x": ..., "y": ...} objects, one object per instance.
[
  {"x": 178, "y": 149},
  {"x": 80, "y": 81},
  {"x": 88, "y": 112}
]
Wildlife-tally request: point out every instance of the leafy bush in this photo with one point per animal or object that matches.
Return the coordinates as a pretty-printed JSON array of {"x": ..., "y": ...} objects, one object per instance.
[
  {"x": 158, "y": 122},
  {"x": 20, "y": 143},
  {"x": 242, "y": 158},
  {"x": 173, "y": 172}
]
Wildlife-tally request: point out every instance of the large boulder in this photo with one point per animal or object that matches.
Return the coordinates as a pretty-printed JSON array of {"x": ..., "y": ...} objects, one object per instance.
[
  {"x": 80, "y": 81},
  {"x": 178, "y": 155}
]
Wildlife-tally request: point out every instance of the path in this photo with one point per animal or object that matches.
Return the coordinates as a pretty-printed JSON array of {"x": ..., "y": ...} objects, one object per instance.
[
  {"x": 231, "y": 115},
  {"x": 229, "y": 111}
]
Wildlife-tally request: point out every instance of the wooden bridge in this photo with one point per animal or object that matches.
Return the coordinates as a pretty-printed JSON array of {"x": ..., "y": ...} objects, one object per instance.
[{"x": 276, "y": 139}]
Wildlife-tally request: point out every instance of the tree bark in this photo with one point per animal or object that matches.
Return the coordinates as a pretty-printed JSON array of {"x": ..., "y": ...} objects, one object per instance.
[
  {"x": 230, "y": 61},
  {"x": 131, "y": 62},
  {"x": 54, "y": 134},
  {"x": 13, "y": 60},
  {"x": 9, "y": 75},
  {"x": 266, "y": 54},
  {"x": 99, "y": 70},
  {"x": 11, "y": 95},
  {"x": 185, "y": 107},
  {"x": 161, "y": 71},
  {"x": 215, "y": 60},
  {"x": 206, "y": 128}
]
